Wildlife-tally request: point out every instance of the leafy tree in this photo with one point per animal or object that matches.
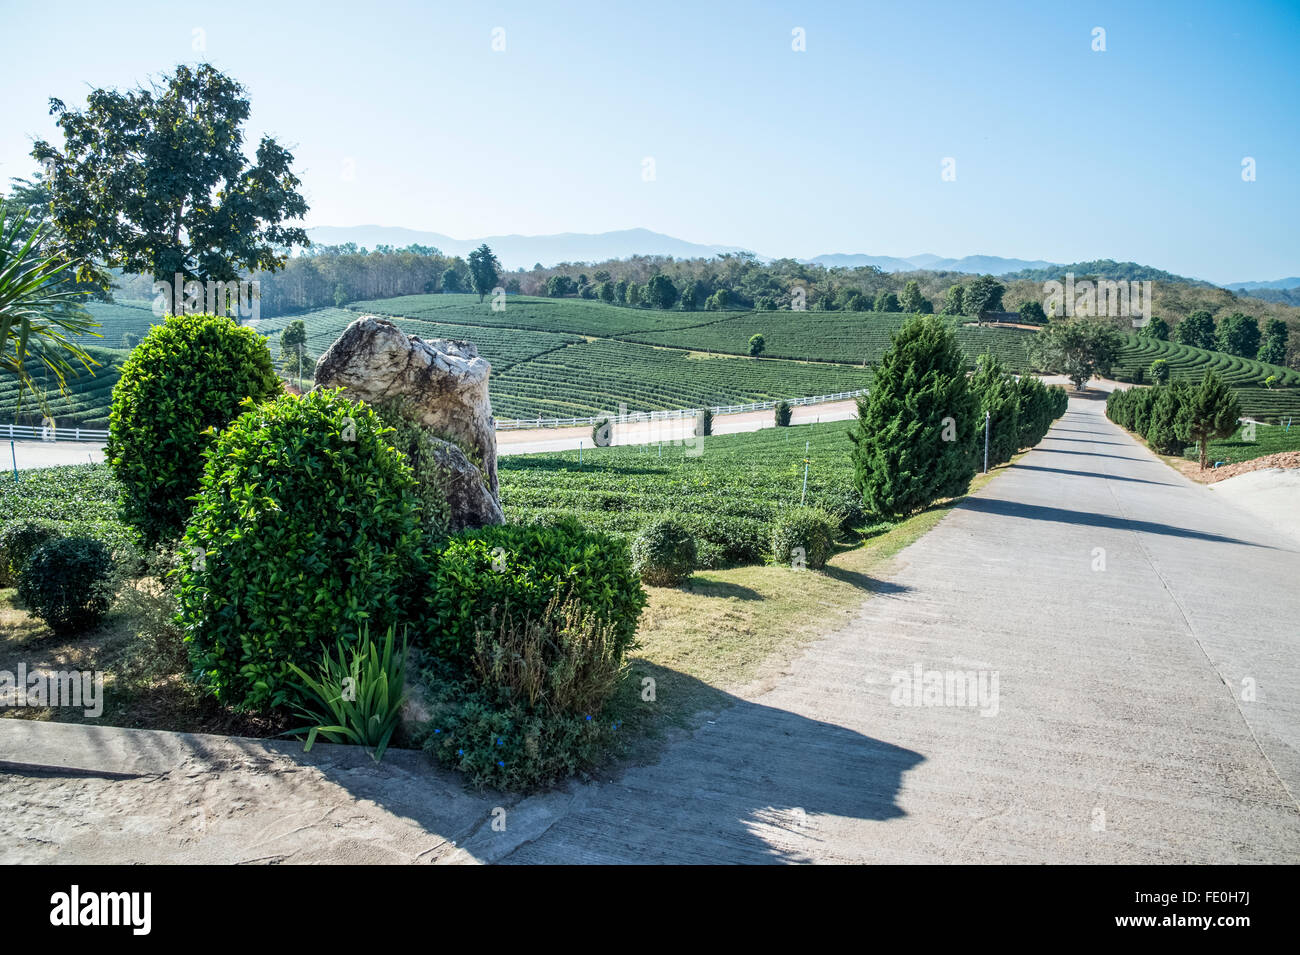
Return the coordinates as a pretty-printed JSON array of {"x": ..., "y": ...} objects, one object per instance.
[
  {"x": 886, "y": 301},
  {"x": 1076, "y": 349},
  {"x": 130, "y": 340},
  {"x": 911, "y": 300},
  {"x": 451, "y": 280},
  {"x": 757, "y": 344},
  {"x": 1273, "y": 349},
  {"x": 983, "y": 295},
  {"x": 1209, "y": 413},
  {"x": 915, "y": 437},
  {"x": 1159, "y": 372},
  {"x": 605, "y": 292},
  {"x": 1197, "y": 330},
  {"x": 719, "y": 300},
  {"x": 688, "y": 297},
  {"x": 513, "y": 287},
  {"x": 660, "y": 292},
  {"x": 1157, "y": 329},
  {"x": 853, "y": 300},
  {"x": 620, "y": 291},
  {"x": 484, "y": 270},
  {"x": 1238, "y": 335},
  {"x": 1031, "y": 312},
  {"x": 293, "y": 350},
  {"x": 954, "y": 301},
  {"x": 633, "y": 294},
  {"x": 155, "y": 181}
]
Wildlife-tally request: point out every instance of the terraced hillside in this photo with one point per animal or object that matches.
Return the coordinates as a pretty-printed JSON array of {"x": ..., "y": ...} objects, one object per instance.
[
  {"x": 116, "y": 319},
  {"x": 86, "y": 404},
  {"x": 1245, "y": 375},
  {"x": 594, "y": 377}
]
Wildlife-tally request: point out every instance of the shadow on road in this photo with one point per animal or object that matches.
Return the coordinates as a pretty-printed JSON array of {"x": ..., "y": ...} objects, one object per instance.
[
  {"x": 1060, "y": 515},
  {"x": 1092, "y": 474}
]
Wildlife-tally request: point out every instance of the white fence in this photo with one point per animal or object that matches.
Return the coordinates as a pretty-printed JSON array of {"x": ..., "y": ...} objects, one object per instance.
[
  {"x": 634, "y": 416},
  {"x": 22, "y": 432}
]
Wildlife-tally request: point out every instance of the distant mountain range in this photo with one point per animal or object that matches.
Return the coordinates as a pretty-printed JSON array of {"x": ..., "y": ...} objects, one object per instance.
[{"x": 524, "y": 251}]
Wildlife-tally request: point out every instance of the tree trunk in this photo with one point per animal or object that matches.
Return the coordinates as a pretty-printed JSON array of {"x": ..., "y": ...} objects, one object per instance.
[{"x": 1205, "y": 452}]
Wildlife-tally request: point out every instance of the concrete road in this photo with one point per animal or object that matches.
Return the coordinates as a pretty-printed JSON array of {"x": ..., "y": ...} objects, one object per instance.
[
  {"x": 1143, "y": 637},
  {"x": 1127, "y": 638},
  {"x": 47, "y": 454}
]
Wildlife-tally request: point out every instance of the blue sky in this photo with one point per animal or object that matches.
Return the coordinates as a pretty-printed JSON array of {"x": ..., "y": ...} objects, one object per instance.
[{"x": 403, "y": 114}]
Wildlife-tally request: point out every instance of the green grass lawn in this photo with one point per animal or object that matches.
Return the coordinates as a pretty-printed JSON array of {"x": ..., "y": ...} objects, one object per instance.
[{"x": 1268, "y": 439}]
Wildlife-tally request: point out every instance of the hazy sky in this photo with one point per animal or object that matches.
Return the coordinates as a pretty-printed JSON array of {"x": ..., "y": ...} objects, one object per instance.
[{"x": 403, "y": 114}]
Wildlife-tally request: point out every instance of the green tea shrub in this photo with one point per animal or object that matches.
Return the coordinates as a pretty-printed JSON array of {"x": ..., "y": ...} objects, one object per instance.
[{"x": 664, "y": 553}]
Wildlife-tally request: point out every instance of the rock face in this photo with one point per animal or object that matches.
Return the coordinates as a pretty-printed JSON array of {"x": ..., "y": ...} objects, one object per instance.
[{"x": 440, "y": 385}]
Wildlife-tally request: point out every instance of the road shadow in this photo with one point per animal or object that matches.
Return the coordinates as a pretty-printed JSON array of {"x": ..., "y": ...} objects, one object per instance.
[
  {"x": 1060, "y": 515},
  {"x": 873, "y": 585},
  {"x": 740, "y": 783},
  {"x": 1052, "y": 437},
  {"x": 1087, "y": 454},
  {"x": 1095, "y": 474},
  {"x": 721, "y": 588}
]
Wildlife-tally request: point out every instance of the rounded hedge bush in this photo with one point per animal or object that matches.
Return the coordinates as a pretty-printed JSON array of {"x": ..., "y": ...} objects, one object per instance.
[
  {"x": 65, "y": 582},
  {"x": 781, "y": 413},
  {"x": 189, "y": 374},
  {"x": 17, "y": 542},
  {"x": 522, "y": 568},
  {"x": 306, "y": 528},
  {"x": 807, "y": 527},
  {"x": 664, "y": 554}
]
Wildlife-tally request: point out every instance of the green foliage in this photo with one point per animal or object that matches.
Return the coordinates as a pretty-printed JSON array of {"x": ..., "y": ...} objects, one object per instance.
[
  {"x": 1159, "y": 372},
  {"x": 602, "y": 433},
  {"x": 1031, "y": 312},
  {"x": 782, "y": 412},
  {"x": 703, "y": 423},
  {"x": 1211, "y": 411},
  {"x": 954, "y": 301},
  {"x": 306, "y": 529},
  {"x": 18, "y": 541},
  {"x": 525, "y": 567},
  {"x": 915, "y": 440},
  {"x": 660, "y": 292},
  {"x": 1077, "y": 349},
  {"x": 886, "y": 301},
  {"x": 983, "y": 295},
  {"x": 1273, "y": 348},
  {"x": 413, "y": 440},
  {"x": 484, "y": 270},
  {"x": 1197, "y": 330},
  {"x": 803, "y": 536},
  {"x": 1238, "y": 335},
  {"x": 912, "y": 300},
  {"x": 756, "y": 344},
  {"x": 189, "y": 375},
  {"x": 451, "y": 280},
  {"x": 356, "y": 694},
  {"x": 66, "y": 583},
  {"x": 1162, "y": 421},
  {"x": 156, "y": 182},
  {"x": 999, "y": 397},
  {"x": 1157, "y": 329},
  {"x": 664, "y": 554}
]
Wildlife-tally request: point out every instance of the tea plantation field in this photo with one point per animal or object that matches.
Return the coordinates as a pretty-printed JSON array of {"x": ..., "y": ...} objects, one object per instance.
[
  {"x": 728, "y": 494},
  {"x": 87, "y": 402}
]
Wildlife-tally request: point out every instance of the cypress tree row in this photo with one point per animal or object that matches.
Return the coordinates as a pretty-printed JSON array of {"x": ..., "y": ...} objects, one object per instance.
[
  {"x": 1171, "y": 417},
  {"x": 915, "y": 438}
]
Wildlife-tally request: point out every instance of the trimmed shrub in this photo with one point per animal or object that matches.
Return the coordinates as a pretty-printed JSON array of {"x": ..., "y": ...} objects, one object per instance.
[
  {"x": 187, "y": 376},
  {"x": 703, "y": 423},
  {"x": 17, "y": 542},
  {"x": 845, "y": 508},
  {"x": 1159, "y": 372},
  {"x": 732, "y": 540},
  {"x": 782, "y": 414},
  {"x": 524, "y": 567},
  {"x": 664, "y": 553},
  {"x": 306, "y": 528},
  {"x": 67, "y": 583},
  {"x": 809, "y": 528}
]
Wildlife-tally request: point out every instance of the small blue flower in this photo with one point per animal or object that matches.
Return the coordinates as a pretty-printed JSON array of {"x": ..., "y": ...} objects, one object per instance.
[
  {"x": 437, "y": 731},
  {"x": 501, "y": 742},
  {"x": 460, "y": 752},
  {"x": 501, "y": 764},
  {"x": 588, "y": 717}
]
